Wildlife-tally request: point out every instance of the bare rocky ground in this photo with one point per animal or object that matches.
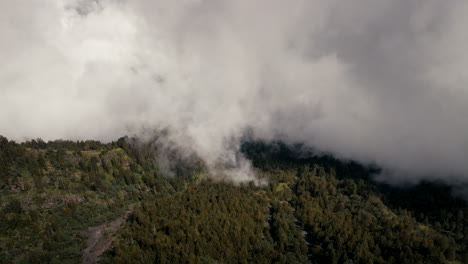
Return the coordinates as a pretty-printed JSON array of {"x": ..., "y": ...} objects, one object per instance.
[{"x": 100, "y": 238}]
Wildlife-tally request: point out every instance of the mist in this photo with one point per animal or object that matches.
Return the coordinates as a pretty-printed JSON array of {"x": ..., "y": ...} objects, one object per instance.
[{"x": 379, "y": 82}]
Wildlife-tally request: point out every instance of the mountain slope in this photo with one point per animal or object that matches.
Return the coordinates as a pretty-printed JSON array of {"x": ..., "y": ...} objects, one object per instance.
[{"x": 314, "y": 209}]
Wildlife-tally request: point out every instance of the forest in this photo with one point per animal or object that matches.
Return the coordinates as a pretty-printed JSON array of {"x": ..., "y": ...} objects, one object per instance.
[{"x": 312, "y": 209}]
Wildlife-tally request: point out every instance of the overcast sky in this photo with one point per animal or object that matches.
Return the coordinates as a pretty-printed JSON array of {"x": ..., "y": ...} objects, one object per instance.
[{"x": 376, "y": 81}]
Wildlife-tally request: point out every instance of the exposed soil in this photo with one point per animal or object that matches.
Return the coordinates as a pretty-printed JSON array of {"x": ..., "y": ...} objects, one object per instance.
[{"x": 100, "y": 238}]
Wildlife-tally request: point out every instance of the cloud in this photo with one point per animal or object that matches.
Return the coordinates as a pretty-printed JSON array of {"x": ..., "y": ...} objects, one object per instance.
[{"x": 375, "y": 81}]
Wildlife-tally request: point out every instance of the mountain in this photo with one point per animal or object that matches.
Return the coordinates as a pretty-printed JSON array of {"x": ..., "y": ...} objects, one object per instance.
[{"x": 133, "y": 201}]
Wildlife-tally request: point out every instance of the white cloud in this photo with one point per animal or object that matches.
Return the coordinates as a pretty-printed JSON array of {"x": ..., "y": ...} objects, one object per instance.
[{"x": 377, "y": 81}]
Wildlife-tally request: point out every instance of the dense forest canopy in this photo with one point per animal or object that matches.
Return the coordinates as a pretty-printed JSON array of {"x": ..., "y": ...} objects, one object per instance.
[{"x": 313, "y": 209}]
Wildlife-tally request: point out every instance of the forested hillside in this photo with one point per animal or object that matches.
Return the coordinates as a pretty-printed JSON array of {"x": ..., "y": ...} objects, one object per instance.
[{"x": 313, "y": 209}]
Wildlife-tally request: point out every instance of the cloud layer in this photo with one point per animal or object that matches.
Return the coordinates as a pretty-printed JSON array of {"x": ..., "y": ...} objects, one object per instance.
[{"x": 380, "y": 82}]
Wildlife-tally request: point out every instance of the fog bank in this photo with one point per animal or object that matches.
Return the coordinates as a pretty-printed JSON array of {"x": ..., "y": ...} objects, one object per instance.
[{"x": 379, "y": 82}]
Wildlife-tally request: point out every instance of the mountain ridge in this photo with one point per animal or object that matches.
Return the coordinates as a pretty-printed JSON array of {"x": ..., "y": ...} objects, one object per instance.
[{"x": 313, "y": 209}]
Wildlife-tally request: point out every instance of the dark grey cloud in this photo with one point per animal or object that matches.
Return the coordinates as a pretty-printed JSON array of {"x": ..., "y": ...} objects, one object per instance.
[{"x": 377, "y": 81}]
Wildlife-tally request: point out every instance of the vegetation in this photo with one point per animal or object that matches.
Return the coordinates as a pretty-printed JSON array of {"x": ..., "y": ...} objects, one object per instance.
[
  {"x": 50, "y": 193},
  {"x": 314, "y": 209}
]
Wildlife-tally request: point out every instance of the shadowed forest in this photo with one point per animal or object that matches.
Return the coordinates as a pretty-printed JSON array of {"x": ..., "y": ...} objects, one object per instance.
[{"x": 313, "y": 209}]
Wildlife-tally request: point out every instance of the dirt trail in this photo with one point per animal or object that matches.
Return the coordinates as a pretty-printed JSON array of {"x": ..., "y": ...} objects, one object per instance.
[{"x": 100, "y": 238}]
